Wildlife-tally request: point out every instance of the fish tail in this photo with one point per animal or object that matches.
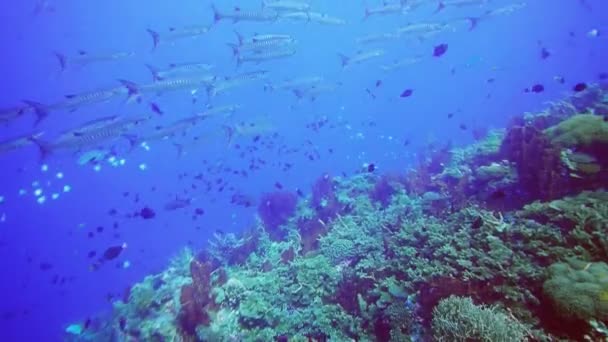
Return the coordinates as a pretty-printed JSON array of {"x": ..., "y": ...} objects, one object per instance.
[
  {"x": 155, "y": 38},
  {"x": 44, "y": 148},
  {"x": 41, "y": 111},
  {"x": 132, "y": 139},
  {"x": 473, "y": 22},
  {"x": 229, "y": 133},
  {"x": 62, "y": 59},
  {"x": 132, "y": 88},
  {"x": 154, "y": 72},
  {"x": 217, "y": 16},
  {"x": 239, "y": 37},
  {"x": 180, "y": 149},
  {"x": 440, "y": 7},
  {"x": 235, "y": 49},
  {"x": 344, "y": 59},
  {"x": 367, "y": 14},
  {"x": 211, "y": 91}
]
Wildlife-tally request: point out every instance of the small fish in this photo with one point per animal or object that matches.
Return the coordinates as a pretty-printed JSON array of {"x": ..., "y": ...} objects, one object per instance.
[
  {"x": 178, "y": 203},
  {"x": 45, "y": 266},
  {"x": 537, "y": 88},
  {"x": 440, "y": 50},
  {"x": 378, "y": 83},
  {"x": 579, "y": 87},
  {"x": 147, "y": 213},
  {"x": 544, "y": 53},
  {"x": 155, "y": 108},
  {"x": 463, "y": 127},
  {"x": 407, "y": 93},
  {"x": 113, "y": 252},
  {"x": 371, "y": 167},
  {"x": 450, "y": 115},
  {"x": 559, "y": 79}
]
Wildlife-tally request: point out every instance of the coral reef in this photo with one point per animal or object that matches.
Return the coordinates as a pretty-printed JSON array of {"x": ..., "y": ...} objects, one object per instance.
[
  {"x": 275, "y": 209},
  {"x": 579, "y": 289},
  {"x": 458, "y": 319},
  {"x": 477, "y": 243}
]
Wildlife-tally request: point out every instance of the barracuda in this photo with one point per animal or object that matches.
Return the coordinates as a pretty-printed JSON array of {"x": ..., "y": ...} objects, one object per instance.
[
  {"x": 78, "y": 139},
  {"x": 266, "y": 56},
  {"x": 176, "y": 34},
  {"x": 179, "y": 70},
  {"x": 240, "y": 15}
]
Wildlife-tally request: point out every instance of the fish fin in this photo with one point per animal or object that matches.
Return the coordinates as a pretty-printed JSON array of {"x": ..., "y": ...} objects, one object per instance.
[
  {"x": 235, "y": 49},
  {"x": 344, "y": 59},
  {"x": 367, "y": 14},
  {"x": 473, "y": 22},
  {"x": 155, "y": 38},
  {"x": 40, "y": 110},
  {"x": 239, "y": 37},
  {"x": 132, "y": 139},
  {"x": 43, "y": 147},
  {"x": 440, "y": 7},
  {"x": 62, "y": 59},
  {"x": 217, "y": 16},
  {"x": 132, "y": 89},
  {"x": 180, "y": 149},
  {"x": 229, "y": 133},
  {"x": 154, "y": 72}
]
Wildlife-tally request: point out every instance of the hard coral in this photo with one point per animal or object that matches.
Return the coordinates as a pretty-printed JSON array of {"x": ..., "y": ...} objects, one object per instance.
[
  {"x": 459, "y": 319},
  {"x": 537, "y": 160},
  {"x": 578, "y": 289},
  {"x": 275, "y": 209},
  {"x": 581, "y": 131}
]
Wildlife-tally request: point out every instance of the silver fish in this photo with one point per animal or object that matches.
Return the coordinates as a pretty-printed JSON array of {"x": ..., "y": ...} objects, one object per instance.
[
  {"x": 360, "y": 57},
  {"x": 240, "y": 15},
  {"x": 286, "y": 6},
  {"x": 296, "y": 83},
  {"x": 228, "y": 83},
  {"x": 19, "y": 142},
  {"x": 179, "y": 70},
  {"x": 83, "y": 58},
  {"x": 176, "y": 34},
  {"x": 171, "y": 84},
  {"x": 266, "y": 56}
]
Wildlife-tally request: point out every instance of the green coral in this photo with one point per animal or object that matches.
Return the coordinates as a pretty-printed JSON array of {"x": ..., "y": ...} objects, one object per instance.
[
  {"x": 459, "y": 319},
  {"x": 495, "y": 171},
  {"x": 578, "y": 289},
  {"x": 579, "y": 131}
]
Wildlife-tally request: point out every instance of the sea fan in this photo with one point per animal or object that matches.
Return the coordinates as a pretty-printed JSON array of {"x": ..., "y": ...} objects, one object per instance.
[{"x": 275, "y": 209}]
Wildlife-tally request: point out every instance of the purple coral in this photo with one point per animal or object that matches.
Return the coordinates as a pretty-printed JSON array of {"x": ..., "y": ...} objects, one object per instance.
[
  {"x": 324, "y": 199},
  {"x": 274, "y": 209},
  {"x": 383, "y": 191}
]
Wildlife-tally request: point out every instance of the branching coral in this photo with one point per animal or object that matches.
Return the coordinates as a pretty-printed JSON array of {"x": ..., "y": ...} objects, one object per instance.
[{"x": 459, "y": 319}]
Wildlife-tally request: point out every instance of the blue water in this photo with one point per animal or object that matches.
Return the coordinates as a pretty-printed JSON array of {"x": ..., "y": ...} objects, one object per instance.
[{"x": 387, "y": 131}]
